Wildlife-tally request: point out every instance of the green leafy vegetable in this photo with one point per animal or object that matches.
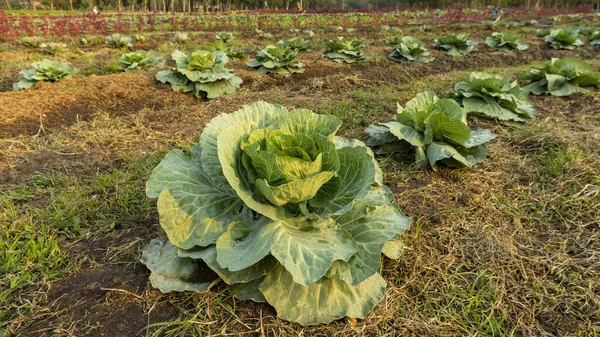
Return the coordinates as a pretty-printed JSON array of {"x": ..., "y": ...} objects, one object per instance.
[
  {"x": 344, "y": 50},
  {"x": 180, "y": 37},
  {"x": 455, "y": 44},
  {"x": 561, "y": 78},
  {"x": 594, "y": 37},
  {"x": 54, "y": 48},
  {"x": 119, "y": 41},
  {"x": 411, "y": 49},
  {"x": 277, "y": 60},
  {"x": 202, "y": 73},
  {"x": 295, "y": 43},
  {"x": 281, "y": 209},
  {"x": 32, "y": 42},
  {"x": 494, "y": 96},
  {"x": 141, "y": 60},
  {"x": 505, "y": 41},
  {"x": 436, "y": 129},
  {"x": 542, "y": 32},
  {"x": 91, "y": 40},
  {"x": 224, "y": 36},
  {"x": 44, "y": 71},
  {"x": 221, "y": 46},
  {"x": 567, "y": 38}
]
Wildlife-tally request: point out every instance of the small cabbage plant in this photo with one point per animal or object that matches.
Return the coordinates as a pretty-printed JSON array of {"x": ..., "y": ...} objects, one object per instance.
[
  {"x": 411, "y": 49},
  {"x": 141, "y": 60},
  {"x": 436, "y": 129},
  {"x": 506, "y": 41},
  {"x": 295, "y": 43},
  {"x": 567, "y": 38},
  {"x": 455, "y": 44},
  {"x": 32, "y": 42},
  {"x": 542, "y": 32},
  {"x": 44, "y": 71},
  {"x": 224, "y": 36},
  {"x": 55, "y": 48},
  {"x": 180, "y": 37},
  {"x": 494, "y": 96},
  {"x": 561, "y": 78},
  {"x": 344, "y": 50},
  {"x": 279, "y": 208},
  {"x": 221, "y": 46},
  {"x": 202, "y": 73},
  {"x": 594, "y": 37},
  {"x": 278, "y": 60},
  {"x": 91, "y": 40},
  {"x": 119, "y": 41}
]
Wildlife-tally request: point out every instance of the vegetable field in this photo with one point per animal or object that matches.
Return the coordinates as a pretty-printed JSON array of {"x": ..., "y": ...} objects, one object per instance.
[{"x": 359, "y": 174}]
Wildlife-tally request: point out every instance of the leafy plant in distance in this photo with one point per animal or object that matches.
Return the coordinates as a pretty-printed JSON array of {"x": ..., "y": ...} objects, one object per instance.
[
  {"x": 119, "y": 41},
  {"x": 54, "y": 48},
  {"x": 594, "y": 37},
  {"x": 140, "y": 38},
  {"x": 542, "y": 32},
  {"x": 44, "y": 71},
  {"x": 221, "y": 46},
  {"x": 32, "y": 42},
  {"x": 274, "y": 204},
  {"x": 394, "y": 41},
  {"x": 561, "y": 78},
  {"x": 344, "y": 50},
  {"x": 426, "y": 28},
  {"x": 202, "y": 73},
  {"x": 567, "y": 38},
  {"x": 411, "y": 49},
  {"x": 141, "y": 60},
  {"x": 224, "y": 36},
  {"x": 277, "y": 60},
  {"x": 295, "y": 43},
  {"x": 455, "y": 44},
  {"x": 436, "y": 129},
  {"x": 494, "y": 96},
  {"x": 180, "y": 37},
  {"x": 91, "y": 40},
  {"x": 505, "y": 41}
]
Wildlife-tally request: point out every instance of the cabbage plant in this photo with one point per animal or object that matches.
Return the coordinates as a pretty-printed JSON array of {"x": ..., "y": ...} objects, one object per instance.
[
  {"x": 224, "y": 36},
  {"x": 119, "y": 41},
  {"x": 295, "y": 43},
  {"x": 32, "y": 42},
  {"x": 277, "y": 60},
  {"x": 202, "y": 73},
  {"x": 505, "y": 41},
  {"x": 221, "y": 46},
  {"x": 279, "y": 208},
  {"x": 594, "y": 37},
  {"x": 542, "y": 32},
  {"x": 561, "y": 78},
  {"x": 91, "y": 40},
  {"x": 54, "y": 48},
  {"x": 141, "y": 60},
  {"x": 344, "y": 50},
  {"x": 567, "y": 38},
  {"x": 411, "y": 49},
  {"x": 494, "y": 96},
  {"x": 44, "y": 71},
  {"x": 180, "y": 37},
  {"x": 455, "y": 44},
  {"x": 436, "y": 129}
]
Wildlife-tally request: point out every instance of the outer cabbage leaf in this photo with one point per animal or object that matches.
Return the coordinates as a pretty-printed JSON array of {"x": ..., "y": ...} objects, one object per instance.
[
  {"x": 411, "y": 49},
  {"x": 169, "y": 272},
  {"x": 322, "y": 301}
]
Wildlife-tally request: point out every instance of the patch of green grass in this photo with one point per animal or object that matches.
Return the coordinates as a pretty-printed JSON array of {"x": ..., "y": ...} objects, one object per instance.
[{"x": 37, "y": 216}]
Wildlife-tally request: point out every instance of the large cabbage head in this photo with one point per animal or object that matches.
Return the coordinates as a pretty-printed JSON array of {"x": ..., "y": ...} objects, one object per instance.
[
  {"x": 411, "y": 49},
  {"x": 278, "y": 60},
  {"x": 344, "y": 50},
  {"x": 281, "y": 209}
]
